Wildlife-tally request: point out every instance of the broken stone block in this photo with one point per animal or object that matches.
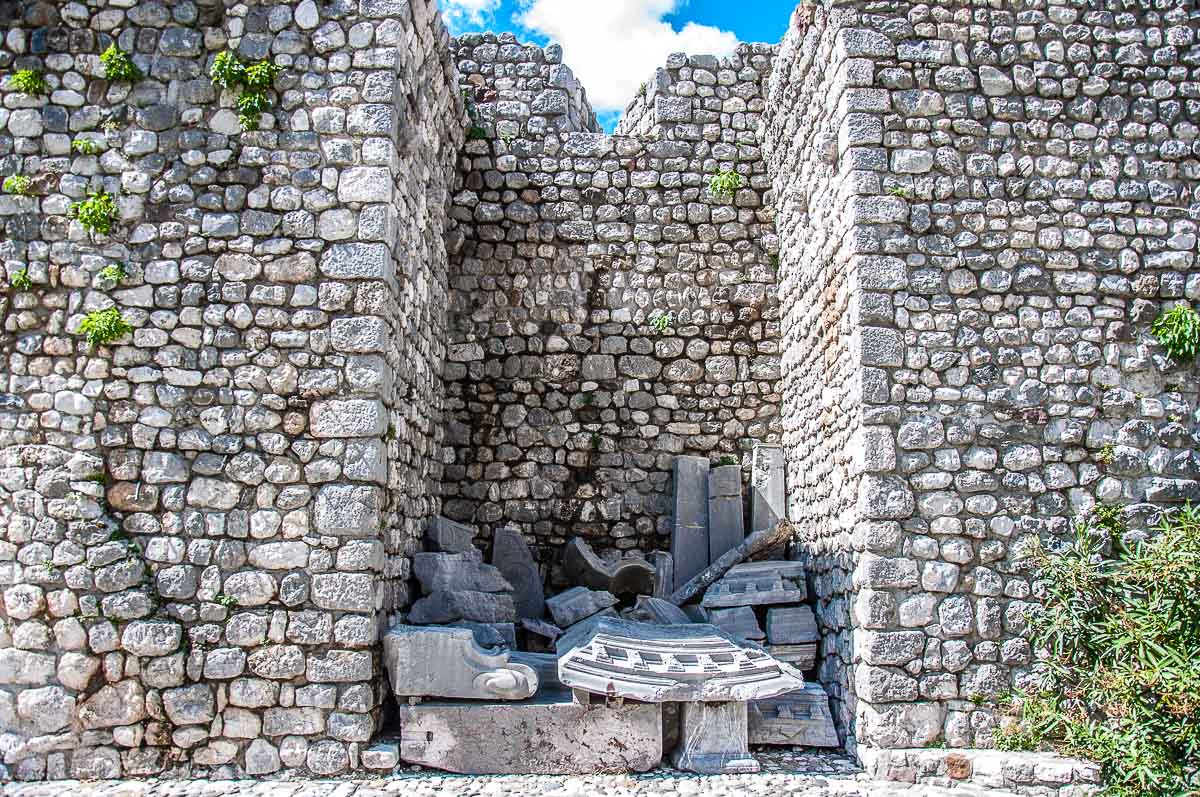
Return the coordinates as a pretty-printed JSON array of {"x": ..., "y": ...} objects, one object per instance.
[
  {"x": 549, "y": 734},
  {"x": 767, "y": 494},
  {"x": 451, "y": 572},
  {"x": 760, "y": 543},
  {"x": 791, "y": 625},
  {"x": 758, "y": 584},
  {"x": 544, "y": 664},
  {"x": 657, "y": 663},
  {"x": 628, "y": 576},
  {"x": 714, "y": 740},
  {"x": 447, "y": 662},
  {"x": 801, "y": 718},
  {"x": 695, "y": 612},
  {"x": 446, "y": 607},
  {"x": 664, "y": 573},
  {"x": 539, "y": 634},
  {"x": 446, "y": 536},
  {"x": 726, "y": 528},
  {"x": 382, "y": 756},
  {"x": 689, "y": 538},
  {"x": 800, "y": 657},
  {"x": 491, "y": 635},
  {"x": 512, "y": 557},
  {"x": 739, "y": 622},
  {"x": 578, "y": 603},
  {"x": 658, "y": 612}
]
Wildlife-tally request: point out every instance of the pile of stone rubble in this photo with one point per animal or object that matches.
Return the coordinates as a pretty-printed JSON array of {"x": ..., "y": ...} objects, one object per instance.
[{"x": 641, "y": 658}]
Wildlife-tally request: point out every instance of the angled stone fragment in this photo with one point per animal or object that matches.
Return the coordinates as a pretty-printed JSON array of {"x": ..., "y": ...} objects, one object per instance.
[
  {"x": 447, "y": 536},
  {"x": 447, "y": 662},
  {"x": 657, "y": 663},
  {"x": 452, "y": 572},
  {"x": 512, "y": 557},
  {"x": 791, "y": 625},
  {"x": 578, "y": 603},
  {"x": 689, "y": 538},
  {"x": 629, "y": 576},
  {"x": 446, "y": 607},
  {"x": 726, "y": 528},
  {"x": 767, "y": 496},
  {"x": 658, "y": 612},
  {"x": 664, "y": 573},
  {"x": 758, "y": 584},
  {"x": 739, "y": 622},
  {"x": 757, "y": 544},
  {"x": 491, "y": 635},
  {"x": 801, "y": 718},
  {"x": 801, "y": 657}
]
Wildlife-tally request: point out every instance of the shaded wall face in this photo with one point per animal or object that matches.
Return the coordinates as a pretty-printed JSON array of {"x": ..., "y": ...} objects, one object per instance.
[
  {"x": 192, "y": 519},
  {"x": 1020, "y": 184},
  {"x": 566, "y": 404}
]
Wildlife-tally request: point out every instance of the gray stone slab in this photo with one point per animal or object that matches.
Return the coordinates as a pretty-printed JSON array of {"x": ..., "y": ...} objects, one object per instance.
[
  {"x": 657, "y": 663},
  {"x": 726, "y": 528},
  {"x": 430, "y": 661},
  {"x": 512, "y": 557},
  {"x": 578, "y": 603},
  {"x": 452, "y": 572},
  {"x": 791, "y": 625},
  {"x": 714, "y": 740},
  {"x": 547, "y": 735},
  {"x": 689, "y": 537},
  {"x": 767, "y": 487},
  {"x": 800, "y": 657},
  {"x": 627, "y": 576},
  {"x": 447, "y": 536},
  {"x": 664, "y": 573},
  {"x": 446, "y": 607},
  {"x": 800, "y": 719},
  {"x": 758, "y": 584},
  {"x": 696, "y": 612},
  {"x": 491, "y": 635},
  {"x": 739, "y": 622},
  {"x": 544, "y": 664},
  {"x": 658, "y": 612}
]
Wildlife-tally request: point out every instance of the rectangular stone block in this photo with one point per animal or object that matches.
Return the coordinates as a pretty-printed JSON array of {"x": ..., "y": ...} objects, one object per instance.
[
  {"x": 449, "y": 537},
  {"x": 758, "y": 584},
  {"x": 767, "y": 483},
  {"x": 348, "y": 510},
  {"x": 714, "y": 740},
  {"x": 726, "y": 527},
  {"x": 347, "y": 418},
  {"x": 689, "y": 540},
  {"x": 792, "y": 625},
  {"x": 547, "y": 735},
  {"x": 801, "y": 719}
]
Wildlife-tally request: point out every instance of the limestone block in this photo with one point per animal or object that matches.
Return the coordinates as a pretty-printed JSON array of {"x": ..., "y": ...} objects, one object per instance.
[
  {"x": 549, "y": 734},
  {"x": 791, "y": 625},
  {"x": 739, "y": 622},
  {"x": 351, "y": 510},
  {"x": 726, "y": 528},
  {"x": 767, "y": 496},
  {"x": 449, "y": 537},
  {"x": 453, "y": 572},
  {"x": 447, "y": 662},
  {"x": 758, "y": 584},
  {"x": 446, "y": 607},
  {"x": 348, "y": 418},
  {"x": 801, "y": 718},
  {"x": 578, "y": 603},
  {"x": 714, "y": 740},
  {"x": 689, "y": 538}
]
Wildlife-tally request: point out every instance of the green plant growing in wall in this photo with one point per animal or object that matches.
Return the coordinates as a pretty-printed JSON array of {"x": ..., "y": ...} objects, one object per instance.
[
  {"x": 28, "y": 82},
  {"x": 102, "y": 327},
  {"x": 97, "y": 213},
  {"x": 255, "y": 80},
  {"x": 660, "y": 320},
  {"x": 595, "y": 441},
  {"x": 1120, "y": 631},
  {"x": 85, "y": 146},
  {"x": 1178, "y": 330},
  {"x": 727, "y": 459},
  {"x": 118, "y": 65},
  {"x": 114, "y": 273},
  {"x": 724, "y": 183},
  {"x": 18, "y": 184},
  {"x": 228, "y": 601},
  {"x": 20, "y": 280},
  {"x": 1107, "y": 452},
  {"x": 475, "y": 131},
  {"x": 899, "y": 191}
]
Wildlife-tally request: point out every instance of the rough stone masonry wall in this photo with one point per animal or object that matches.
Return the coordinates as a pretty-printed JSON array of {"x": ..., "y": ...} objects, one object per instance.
[
  {"x": 1023, "y": 184},
  {"x": 192, "y": 520},
  {"x": 566, "y": 407}
]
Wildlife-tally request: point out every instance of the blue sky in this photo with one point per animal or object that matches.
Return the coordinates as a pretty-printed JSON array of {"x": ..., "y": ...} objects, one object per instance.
[{"x": 615, "y": 45}]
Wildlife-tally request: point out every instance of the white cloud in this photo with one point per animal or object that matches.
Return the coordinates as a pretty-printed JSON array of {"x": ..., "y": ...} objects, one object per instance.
[
  {"x": 461, "y": 13},
  {"x": 615, "y": 45}
]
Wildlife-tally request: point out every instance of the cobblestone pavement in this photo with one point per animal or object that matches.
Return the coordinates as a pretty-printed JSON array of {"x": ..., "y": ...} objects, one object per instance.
[{"x": 784, "y": 775}]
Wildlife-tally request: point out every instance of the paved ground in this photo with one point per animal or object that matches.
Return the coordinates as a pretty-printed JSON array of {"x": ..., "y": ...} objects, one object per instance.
[{"x": 784, "y": 775}]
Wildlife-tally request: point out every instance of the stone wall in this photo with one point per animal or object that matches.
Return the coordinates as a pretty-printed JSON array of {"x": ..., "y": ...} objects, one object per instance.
[
  {"x": 1023, "y": 185},
  {"x": 193, "y": 522},
  {"x": 566, "y": 404}
]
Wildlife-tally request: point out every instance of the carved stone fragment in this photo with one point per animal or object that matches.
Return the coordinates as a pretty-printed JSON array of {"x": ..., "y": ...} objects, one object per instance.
[
  {"x": 629, "y": 576},
  {"x": 800, "y": 718},
  {"x": 512, "y": 557},
  {"x": 578, "y": 603},
  {"x": 447, "y": 662},
  {"x": 758, "y": 584},
  {"x": 713, "y": 740}
]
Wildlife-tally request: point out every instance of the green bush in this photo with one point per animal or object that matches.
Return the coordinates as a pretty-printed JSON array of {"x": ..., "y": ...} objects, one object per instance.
[
  {"x": 29, "y": 82},
  {"x": 85, "y": 146},
  {"x": 20, "y": 280},
  {"x": 1120, "y": 636},
  {"x": 113, "y": 273},
  {"x": 118, "y": 65},
  {"x": 660, "y": 320},
  {"x": 17, "y": 184},
  {"x": 1178, "y": 330},
  {"x": 102, "y": 327},
  {"x": 724, "y": 183},
  {"x": 97, "y": 213},
  {"x": 228, "y": 72}
]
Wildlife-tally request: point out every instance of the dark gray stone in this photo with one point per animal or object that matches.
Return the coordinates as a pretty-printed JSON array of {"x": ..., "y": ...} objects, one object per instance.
[
  {"x": 578, "y": 603},
  {"x": 450, "y": 572},
  {"x": 689, "y": 540},
  {"x": 512, "y": 557},
  {"x": 726, "y": 528},
  {"x": 446, "y": 607},
  {"x": 628, "y": 576}
]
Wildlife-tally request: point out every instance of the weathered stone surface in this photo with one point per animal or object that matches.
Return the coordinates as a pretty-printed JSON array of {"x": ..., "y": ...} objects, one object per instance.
[
  {"x": 758, "y": 584},
  {"x": 446, "y": 607},
  {"x": 767, "y": 480},
  {"x": 689, "y": 537},
  {"x": 549, "y": 734},
  {"x": 112, "y": 705},
  {"x": 713, "y": 740},
  {"x": 791, "y": 625},
  {"x": 799, "y": 718},
  {"x": 449, "y": 572},
  {"x": 446, "y": 536},
  {"x": 658, "y": 612},
  {"x": 626, "y": 576},
  {"x": 726, "y": 528},
  {"x": 512, "y": 557},
  {"x": 739, "y": 622},
  {"x": 447, "y": 662},
  {"x": 578, "y": 603}
]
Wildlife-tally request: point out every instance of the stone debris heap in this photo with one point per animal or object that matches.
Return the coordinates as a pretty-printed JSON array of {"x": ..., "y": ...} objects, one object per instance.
[{"x": 643, "y": 657}]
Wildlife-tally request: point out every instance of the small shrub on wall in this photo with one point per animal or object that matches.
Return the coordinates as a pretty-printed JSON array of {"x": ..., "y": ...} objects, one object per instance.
[
  {"x": 1178, "y": 330},
  {"x": 1120, "y": 635}
]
